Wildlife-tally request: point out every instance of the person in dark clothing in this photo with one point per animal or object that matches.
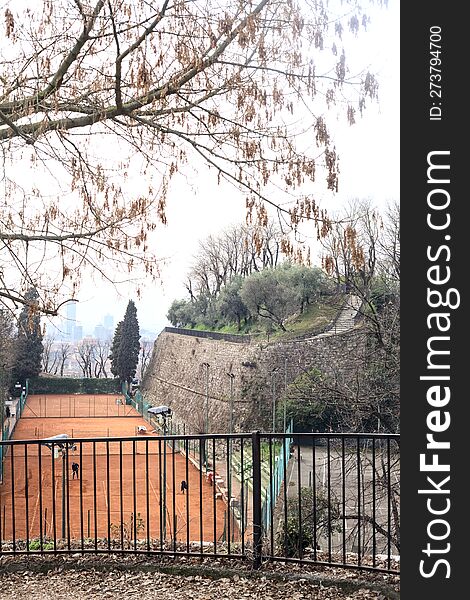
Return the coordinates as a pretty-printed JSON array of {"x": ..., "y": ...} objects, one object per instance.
[
  {"x": 75, "y": 468},
  {"x": 184, "y": 486}
]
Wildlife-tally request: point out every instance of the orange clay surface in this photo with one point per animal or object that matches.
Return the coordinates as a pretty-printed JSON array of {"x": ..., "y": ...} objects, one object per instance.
[{"x": 113, "y": 486}]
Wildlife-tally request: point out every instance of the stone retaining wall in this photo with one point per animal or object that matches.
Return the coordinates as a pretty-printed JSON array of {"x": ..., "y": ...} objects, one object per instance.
[{"x": 177, "y": 375}]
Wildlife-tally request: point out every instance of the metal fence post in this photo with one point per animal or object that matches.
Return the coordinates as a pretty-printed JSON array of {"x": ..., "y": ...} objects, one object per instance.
[{"x": 257, "y": 515}]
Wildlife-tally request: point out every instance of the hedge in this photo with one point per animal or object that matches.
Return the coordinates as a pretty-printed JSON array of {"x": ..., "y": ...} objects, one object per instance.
[{"x": 69, "y": 385}]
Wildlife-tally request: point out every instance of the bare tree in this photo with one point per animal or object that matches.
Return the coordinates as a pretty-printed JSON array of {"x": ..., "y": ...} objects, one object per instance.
[
  {"x": 64, "y": 352},
  {"x": 86, "y": 351},
  {"x": 146, "y": 349},
  {"x": 168, "y": 84},
  {"x": 362, "y": 250},
  {"x": 101, "y": 357},
  {"x": 239, "y": 250},
  {"x": 389, "y": 244},
  {"x": 7, "y": 354},
  {"x": 49, "y": 357}
]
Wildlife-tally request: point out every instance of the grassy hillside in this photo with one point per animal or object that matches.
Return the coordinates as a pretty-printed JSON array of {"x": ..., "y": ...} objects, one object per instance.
[{"x": 313, "y": 320}]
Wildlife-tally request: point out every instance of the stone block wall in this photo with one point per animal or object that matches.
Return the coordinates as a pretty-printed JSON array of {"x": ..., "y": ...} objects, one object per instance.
[{"x": 177, "y": 375}]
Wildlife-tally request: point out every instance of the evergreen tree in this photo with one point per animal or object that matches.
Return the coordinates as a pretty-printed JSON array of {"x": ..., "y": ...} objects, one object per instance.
[
  {"x": 29, "y": 346},
  {"x": 115, "y": 349},
  {"x": 126, "y": 345}
]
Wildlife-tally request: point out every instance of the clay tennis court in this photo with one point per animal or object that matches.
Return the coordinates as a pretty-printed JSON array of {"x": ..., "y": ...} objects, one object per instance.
[{"x": 124, "y": 491}]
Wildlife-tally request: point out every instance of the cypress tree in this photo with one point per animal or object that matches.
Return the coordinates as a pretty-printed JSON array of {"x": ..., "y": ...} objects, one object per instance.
[
  {"x": 29, "y": 346},
  {"x": 126, "y": 345},
  {"x": 115, "y": 349}
]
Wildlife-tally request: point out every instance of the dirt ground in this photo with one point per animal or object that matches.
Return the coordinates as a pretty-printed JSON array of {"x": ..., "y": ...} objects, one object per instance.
[{"x": 98, "y": 578}]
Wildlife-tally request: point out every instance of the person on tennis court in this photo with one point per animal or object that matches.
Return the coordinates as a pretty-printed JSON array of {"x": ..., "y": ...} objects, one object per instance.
[
  {"x": 75, "y": 468},
  {"x": 184, "y": 486}
]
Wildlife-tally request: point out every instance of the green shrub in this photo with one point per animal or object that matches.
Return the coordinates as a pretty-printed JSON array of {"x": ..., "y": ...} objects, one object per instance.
[
  {"x": 314, "y": 516},
  {"x": 69, "y": 385},
  {"x": 36, "y": 545}
]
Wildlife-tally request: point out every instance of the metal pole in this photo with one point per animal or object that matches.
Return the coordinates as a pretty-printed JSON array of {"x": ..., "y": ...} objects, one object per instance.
[
  {"x": 206, "y": 411},
  {"x": 274, "y": 400},
  {"x": 285, "y": 393},
  {"x": 232, "y": 377}
]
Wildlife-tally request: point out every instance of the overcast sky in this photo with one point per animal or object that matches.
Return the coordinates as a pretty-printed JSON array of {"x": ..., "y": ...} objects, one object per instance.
[{"x": 197, "y": 206}]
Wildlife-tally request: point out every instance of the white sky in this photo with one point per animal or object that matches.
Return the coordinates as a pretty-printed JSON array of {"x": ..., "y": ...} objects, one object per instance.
[{"x": 197, "y": 206}]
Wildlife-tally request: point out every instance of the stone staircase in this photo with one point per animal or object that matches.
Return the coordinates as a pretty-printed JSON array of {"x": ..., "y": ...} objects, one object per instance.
[{"x": 345, "y": 320}]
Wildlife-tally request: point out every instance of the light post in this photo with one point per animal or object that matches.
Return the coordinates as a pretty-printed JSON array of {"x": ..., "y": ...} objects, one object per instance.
[
  {"x": 285, "y": 393},
  {"x": 273, "y": 390},
  {"x": 206, "y": 406},
  {"x": 232, "y": 377}
]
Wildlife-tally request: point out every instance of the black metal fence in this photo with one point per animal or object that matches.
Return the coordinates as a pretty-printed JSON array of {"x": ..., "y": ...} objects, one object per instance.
[{"x": 331, "y": 500}]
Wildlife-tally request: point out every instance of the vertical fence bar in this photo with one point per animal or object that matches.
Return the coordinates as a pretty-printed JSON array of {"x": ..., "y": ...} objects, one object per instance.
[
  {"x": 160, "y": 471},
  {"x": 359, "y": 522},
  {"x": 42, "y": 532},
  {"x": 1, "y": 507},
  {"x": 214, "y": 498},
  {"x": 286, "y": 483},
  {"x": 121, "y": 499},
  {"x": 271, "y": 494},
  {"x": 202, "y": 442},
  {"x": 299, "y": 499},
  {"x": 230, "y": 524},
  {"x": 13, "y": 519},
  {"x": 45, "y": 530},
  {"x": 186, "y": 452},
  {"x": 242, "y": 495},
  {"x": 26, "y": 493},
  {"x": 314, "y": 496},
  {"x": 330, "y": 528},
  {"x": 374, "y": 516},
  {"x": 67, "y": 488},
  {"x": 257, "y": 514},
  {"x": 54, "y": 512},
  {"x": 147, "y": 497},
  {"x": 108, "y": 495},
  {"x": 95, "y": 512},
  {"x": 80, "y": 486},
  {"x": 389, "y": 511},
  {"x": 343, "y": 497},
  {"x": 173, "y": 500},
  {"x": 134, "y": 494}
]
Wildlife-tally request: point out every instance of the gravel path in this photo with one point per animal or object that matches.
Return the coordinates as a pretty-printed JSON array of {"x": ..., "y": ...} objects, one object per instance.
[{"x": 93, "y": 578}]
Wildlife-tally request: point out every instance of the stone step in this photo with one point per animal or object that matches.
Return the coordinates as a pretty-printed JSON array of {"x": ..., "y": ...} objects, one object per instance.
[{"x": 345, "y": 320}]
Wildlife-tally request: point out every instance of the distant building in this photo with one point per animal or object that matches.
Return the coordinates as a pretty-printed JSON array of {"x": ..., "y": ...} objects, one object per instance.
[
  {"x": 71, "y": 320},
  {"x": 108, "y": 322},
  {"x": 100, "y": 332}
]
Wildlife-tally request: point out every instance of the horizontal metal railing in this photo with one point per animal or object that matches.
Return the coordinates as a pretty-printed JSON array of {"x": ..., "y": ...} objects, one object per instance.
[{"x": 332, "y": 499}]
